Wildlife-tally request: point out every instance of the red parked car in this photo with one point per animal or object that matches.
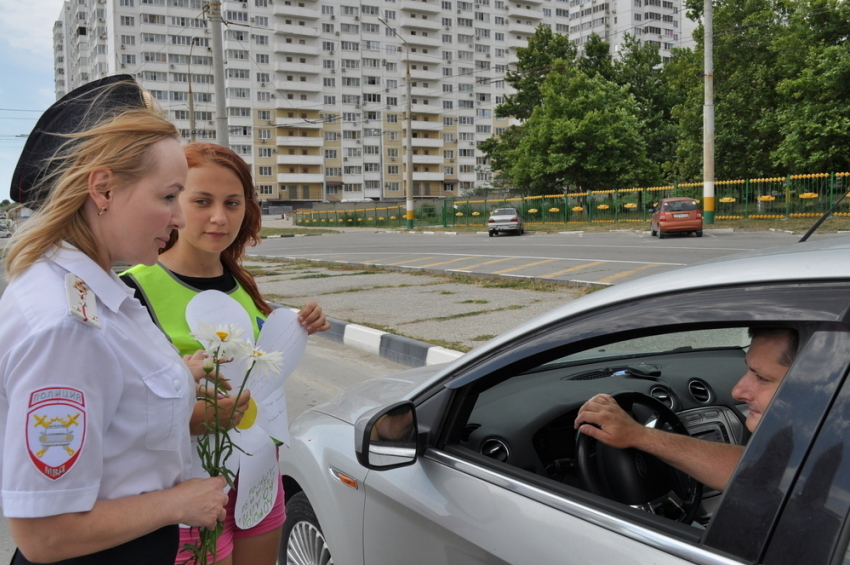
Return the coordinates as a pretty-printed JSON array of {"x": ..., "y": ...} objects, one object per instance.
[{"x": 676, "y": 215}]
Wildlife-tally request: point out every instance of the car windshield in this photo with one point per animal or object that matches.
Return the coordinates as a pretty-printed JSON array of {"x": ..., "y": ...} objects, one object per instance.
[
  {"x": 680, "y": 206},
  {"x": 653, "y": 345},
  {"x": 504, "y": 212}
]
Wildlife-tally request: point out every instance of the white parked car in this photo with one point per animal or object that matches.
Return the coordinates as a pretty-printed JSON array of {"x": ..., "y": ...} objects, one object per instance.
[{"x": 477, "y": 461}]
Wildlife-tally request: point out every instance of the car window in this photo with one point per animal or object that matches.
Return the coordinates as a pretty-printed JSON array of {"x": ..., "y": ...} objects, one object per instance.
[
  {"x": 504, "y": 212},
  {"x": 527, "y": 420},
  {"x": 650, "y": 345}
]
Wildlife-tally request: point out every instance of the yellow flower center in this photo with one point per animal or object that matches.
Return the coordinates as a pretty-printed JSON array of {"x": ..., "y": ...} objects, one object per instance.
[
  {"x": 249, "y": 417},
  {"x": 221, "y": 335}
]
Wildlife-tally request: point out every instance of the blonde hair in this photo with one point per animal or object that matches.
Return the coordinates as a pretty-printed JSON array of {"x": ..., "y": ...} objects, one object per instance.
[{"x": 120, "y": 143}]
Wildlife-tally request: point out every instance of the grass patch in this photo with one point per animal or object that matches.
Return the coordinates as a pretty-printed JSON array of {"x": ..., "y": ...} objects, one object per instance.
[
  {"x": 456, "y": 345},
  {"x": 484, "y": 337},
  {"x": 446, "y": 292},
  {"x": 464, "y": 315},
  {"x": 265, "y": 232},
  {"x": 261, "y": 272},
  {"x": 474, "y": 302}
]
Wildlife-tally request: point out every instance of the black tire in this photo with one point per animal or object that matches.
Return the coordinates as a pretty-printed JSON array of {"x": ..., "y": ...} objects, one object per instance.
[
  {"x": 303, "y": 542},
  {"x": 661, "y": 234},
  {"x": 652, "y": 232},
  {"x": 491, "y": 233},
  {"x": 699, "y": 233}
]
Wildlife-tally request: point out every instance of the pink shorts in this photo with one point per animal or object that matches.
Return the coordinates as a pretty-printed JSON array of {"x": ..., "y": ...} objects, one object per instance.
[{"x": 231, "y": 531}]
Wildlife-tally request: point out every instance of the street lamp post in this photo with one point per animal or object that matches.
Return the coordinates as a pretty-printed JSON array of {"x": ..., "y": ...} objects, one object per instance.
[
  {"x": 408, "y": 188},
  {"x": 708, "y": 115},
  {"x": 192, "y": 124}
]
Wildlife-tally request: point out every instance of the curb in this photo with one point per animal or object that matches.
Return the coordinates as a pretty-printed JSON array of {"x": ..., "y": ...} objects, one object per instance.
[{"x": 396, "y": 348}]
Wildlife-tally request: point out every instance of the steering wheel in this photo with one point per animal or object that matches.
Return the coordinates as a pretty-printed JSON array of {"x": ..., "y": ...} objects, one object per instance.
[{"x": 637, "y": 478}]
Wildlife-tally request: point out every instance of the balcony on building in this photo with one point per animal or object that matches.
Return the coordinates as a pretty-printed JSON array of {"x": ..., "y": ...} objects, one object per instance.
[
  {"x": 419, "y": 74},
  {"x": 433, "y": 91},
  {"x": 427, "y": 141},
  {"x": 417, "y": 6},
  {"x": 298, "y": 49},
  {"x": 297, "y": 30},
  {"x": 295, "y": 12},
  {"x": 299, "y": 123},
  {"x": 420, "y": 56},
  {"x": 426, "y": 109},
  {"x": 300, "y": 178},
  {"x": 299, "y": 141},
  {"x": 513, "y": 11},
  {"x": 283, "y": 159},
  {"x": 427, "y": 125},
  {"x": 515, "y": 43},
  {"x": 420, "y": 23},
  {"x": 427, "y": 160},
  {"x": 297, "y": 68},
  {"x": 429, "y": 41},
  {"x": 297, "y": 86},
  {"x": 284, "y": 103},
  {"x": 522, "y": 27}
]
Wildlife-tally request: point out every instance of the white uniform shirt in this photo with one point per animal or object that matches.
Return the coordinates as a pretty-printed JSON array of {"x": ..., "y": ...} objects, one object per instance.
[{"x": 86, "y": 413}]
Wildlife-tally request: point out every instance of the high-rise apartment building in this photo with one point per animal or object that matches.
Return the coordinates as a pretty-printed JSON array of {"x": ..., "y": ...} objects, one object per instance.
[{"x": 316, "y": 93}]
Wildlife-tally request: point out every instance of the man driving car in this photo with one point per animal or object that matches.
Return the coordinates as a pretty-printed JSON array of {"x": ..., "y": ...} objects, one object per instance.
[{"x": 772, "y": 351}]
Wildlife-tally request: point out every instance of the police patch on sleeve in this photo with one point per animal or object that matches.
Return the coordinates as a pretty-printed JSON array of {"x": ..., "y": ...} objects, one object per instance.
[{"x": 56, "y": 429}]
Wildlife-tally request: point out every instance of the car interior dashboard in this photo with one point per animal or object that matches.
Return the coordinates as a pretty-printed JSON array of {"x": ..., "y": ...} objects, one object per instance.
[{"x": 527, "y": 421}]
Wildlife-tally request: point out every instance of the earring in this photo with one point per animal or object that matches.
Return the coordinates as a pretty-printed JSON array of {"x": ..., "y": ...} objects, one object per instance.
[{"x": 102, "y": 210}]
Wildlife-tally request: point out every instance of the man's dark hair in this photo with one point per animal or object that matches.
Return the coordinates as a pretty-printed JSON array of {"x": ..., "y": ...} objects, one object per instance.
[{"x": 790, "y": 335}]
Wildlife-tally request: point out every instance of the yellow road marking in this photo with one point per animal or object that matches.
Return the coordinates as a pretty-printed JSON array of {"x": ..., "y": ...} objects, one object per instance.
[
  {"x": 381, "y": 259},
  {"x": 411, "y": 261},
  {"x": 571, "y": 269},
  {"x": 627, "y": 273},
  {"x": 524, "y": 266},
  {"x": 451, "y": 261},
  {"x": 489, "y": 262}
]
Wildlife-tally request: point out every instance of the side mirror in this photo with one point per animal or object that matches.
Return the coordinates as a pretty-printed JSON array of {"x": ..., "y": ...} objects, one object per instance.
[{"x": 386, "y": 438}]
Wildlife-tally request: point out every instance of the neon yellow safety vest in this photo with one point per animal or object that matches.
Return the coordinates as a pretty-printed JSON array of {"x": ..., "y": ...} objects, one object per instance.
[{"x": 167, "y": 298}]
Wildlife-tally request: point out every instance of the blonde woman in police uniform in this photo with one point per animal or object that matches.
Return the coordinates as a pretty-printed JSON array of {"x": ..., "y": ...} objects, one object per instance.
[
  {"x": 222, "y": 217},
  {"x": 95, "y": 403}
]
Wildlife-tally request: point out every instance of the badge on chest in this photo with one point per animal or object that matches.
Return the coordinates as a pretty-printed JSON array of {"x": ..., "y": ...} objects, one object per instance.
[{"x": 82, "y": 303}]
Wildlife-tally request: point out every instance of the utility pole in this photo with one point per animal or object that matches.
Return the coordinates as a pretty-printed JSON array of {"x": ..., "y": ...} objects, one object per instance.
[
  {"x": 408, "y": 189},
  {"x": 708, "y": 116},
  {"x": 222, "y": 135},
  {"x": 192, "y": 124}
]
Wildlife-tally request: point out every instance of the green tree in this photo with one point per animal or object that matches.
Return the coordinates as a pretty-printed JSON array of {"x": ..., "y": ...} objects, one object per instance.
[
  {"x": 586, "y": 135},
  {"x": 597, "y": 57},
  {"x": 533, "y": 64},
  {"x": 815, "y": 119}
]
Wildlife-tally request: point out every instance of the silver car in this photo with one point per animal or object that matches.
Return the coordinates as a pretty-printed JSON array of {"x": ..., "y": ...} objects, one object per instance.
[
  {"x": 477, "y": 461},
  {"x": 505, "y": 220}
]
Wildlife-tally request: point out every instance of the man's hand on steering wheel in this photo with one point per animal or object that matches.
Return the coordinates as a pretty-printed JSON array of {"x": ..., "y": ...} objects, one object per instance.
[{"x": 602, "y": 419}]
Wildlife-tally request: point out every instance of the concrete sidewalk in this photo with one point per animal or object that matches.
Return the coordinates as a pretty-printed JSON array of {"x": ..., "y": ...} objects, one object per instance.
[{"x": 410, "y": 318}]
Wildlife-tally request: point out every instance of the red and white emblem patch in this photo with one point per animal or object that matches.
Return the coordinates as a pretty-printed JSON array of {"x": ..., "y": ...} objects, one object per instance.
[{"x": 56, "y": 429}]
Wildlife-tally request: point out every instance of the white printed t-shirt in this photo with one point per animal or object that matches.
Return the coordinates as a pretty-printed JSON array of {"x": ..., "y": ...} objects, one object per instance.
[{"x": 87, "y": 413}]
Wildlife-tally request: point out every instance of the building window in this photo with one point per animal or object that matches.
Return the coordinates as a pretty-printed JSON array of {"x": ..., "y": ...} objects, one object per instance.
[{"x": 265, "y": 171}]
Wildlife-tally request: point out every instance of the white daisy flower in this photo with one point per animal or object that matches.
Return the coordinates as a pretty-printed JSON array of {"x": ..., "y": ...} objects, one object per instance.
[
  {"x": 222, "y": 339},
  {"x": 264, "y": 363}
]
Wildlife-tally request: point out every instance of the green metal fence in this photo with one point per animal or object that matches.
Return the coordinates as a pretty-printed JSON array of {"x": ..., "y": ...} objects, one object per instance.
[{"x": 794, "y": 196}]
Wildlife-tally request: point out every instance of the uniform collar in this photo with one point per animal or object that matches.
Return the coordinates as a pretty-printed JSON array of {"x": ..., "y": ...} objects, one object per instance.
[{"x": 105, "y": 285}]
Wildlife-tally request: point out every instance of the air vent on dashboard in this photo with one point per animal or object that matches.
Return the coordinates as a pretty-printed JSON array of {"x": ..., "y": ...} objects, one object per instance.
[
  {"x": 664, "y": 395},
  {"x": 497, "y": 449},
  {"x": 700, "y": 390}
]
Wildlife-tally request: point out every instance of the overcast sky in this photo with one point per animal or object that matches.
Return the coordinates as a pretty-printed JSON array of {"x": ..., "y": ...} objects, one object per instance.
[{"x": 26, "y": 75}]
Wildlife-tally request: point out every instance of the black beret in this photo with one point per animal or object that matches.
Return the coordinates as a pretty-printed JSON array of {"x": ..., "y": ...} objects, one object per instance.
[{"x": 77, "y": 111}]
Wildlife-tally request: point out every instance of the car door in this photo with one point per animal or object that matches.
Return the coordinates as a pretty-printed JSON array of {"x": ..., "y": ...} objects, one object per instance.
[{"x": 458, "y": 506}]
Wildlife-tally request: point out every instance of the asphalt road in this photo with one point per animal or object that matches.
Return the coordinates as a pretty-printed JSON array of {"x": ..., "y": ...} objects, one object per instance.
[{"x": 596, "y": 258}]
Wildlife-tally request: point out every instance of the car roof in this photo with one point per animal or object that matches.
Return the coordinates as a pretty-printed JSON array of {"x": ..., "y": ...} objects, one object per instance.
[
  {"x": 677, "y": 199},
  {"x": 827, "y": 259}
]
